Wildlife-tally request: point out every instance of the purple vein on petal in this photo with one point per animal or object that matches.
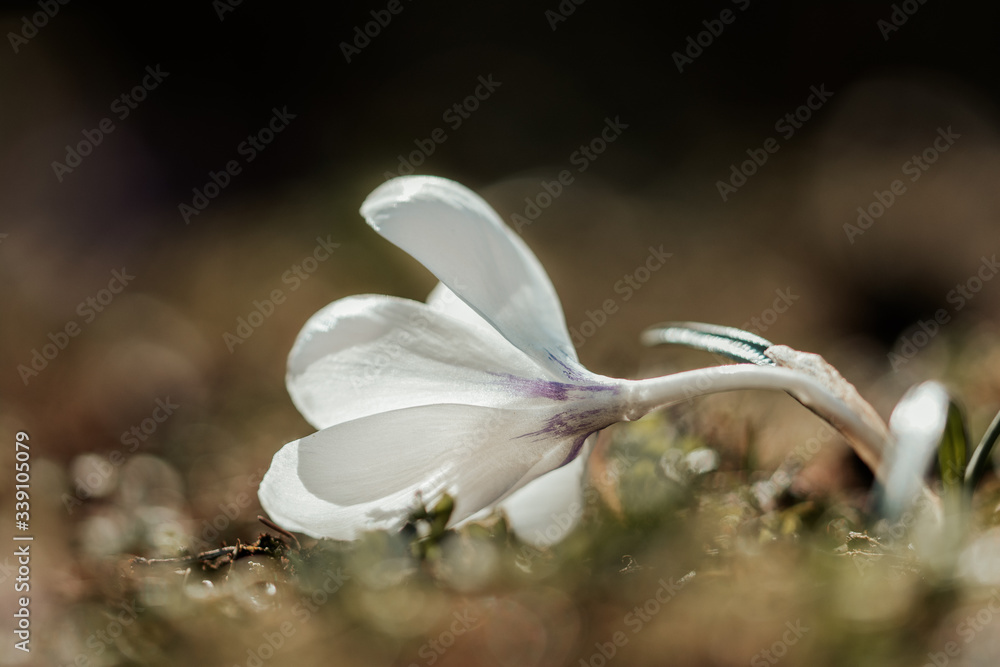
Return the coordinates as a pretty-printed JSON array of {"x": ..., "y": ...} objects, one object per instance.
[
  {"x": 574, "y": 422},
  {"x": 571, "y": 372},
  {"x": 575, "y": 450},
  {"x": 541, "y": 388},
  {"x": 569, "y": 422}
]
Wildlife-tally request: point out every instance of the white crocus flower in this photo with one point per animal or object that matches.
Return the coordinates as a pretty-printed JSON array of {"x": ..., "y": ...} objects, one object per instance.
[{"x": 476, "y": 393}]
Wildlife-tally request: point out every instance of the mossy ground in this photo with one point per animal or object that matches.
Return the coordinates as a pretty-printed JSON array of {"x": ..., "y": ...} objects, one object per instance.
[{"x": 669, "y": 566}]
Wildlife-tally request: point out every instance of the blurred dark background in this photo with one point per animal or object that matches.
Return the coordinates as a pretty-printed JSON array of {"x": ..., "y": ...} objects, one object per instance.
[{"x": 560, "y": 78}]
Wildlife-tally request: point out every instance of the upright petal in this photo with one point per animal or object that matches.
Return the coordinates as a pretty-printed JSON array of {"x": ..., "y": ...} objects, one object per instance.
[
  {"x": 918, "y": 424},
  {"x": 461, "y": 239},
  {"x": 368, "y": 474}
]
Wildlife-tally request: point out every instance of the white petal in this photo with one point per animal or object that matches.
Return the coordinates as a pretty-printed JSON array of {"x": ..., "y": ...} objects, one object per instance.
[
  {"x": 544, "y": 511},
  {"x": 366, "y": 474},
  {"x": 918, "y": 424},
  {"x": 367, "y": 354},
  {"x": 443, "y": 300},
  {"x": 461, "y": 239}
]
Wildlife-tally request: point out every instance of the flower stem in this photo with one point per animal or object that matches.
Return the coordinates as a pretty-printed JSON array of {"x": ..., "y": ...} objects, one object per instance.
[{"x": 869, "y": 439}]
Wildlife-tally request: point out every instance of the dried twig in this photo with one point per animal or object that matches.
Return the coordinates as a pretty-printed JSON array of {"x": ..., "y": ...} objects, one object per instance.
[{"x": 278, "y": 529}]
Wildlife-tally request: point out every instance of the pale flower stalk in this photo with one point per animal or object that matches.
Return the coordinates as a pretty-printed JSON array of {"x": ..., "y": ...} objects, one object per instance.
[{"x": 476, "y": 393}]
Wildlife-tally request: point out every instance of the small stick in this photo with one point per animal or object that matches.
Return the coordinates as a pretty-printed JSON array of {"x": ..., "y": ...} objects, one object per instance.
[
  {"x": 278, "y": 529},
  {"x": 185, "y": 560}
]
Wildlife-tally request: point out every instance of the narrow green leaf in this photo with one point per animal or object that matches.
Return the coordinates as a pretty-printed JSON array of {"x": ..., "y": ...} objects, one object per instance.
[
  {"x": 952, "y": 459},
  {"x": 440, "y": 515},
  {"x": 980, "y": 461},
  {"x": 736, "y": 344}
]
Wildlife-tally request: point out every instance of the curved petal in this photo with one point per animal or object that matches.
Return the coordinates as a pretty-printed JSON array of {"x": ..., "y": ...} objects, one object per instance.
[
  {"x": 369, "y": 473},
  {"x": 461, "y": 240},
  {"x": 367, "y": 354}
]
